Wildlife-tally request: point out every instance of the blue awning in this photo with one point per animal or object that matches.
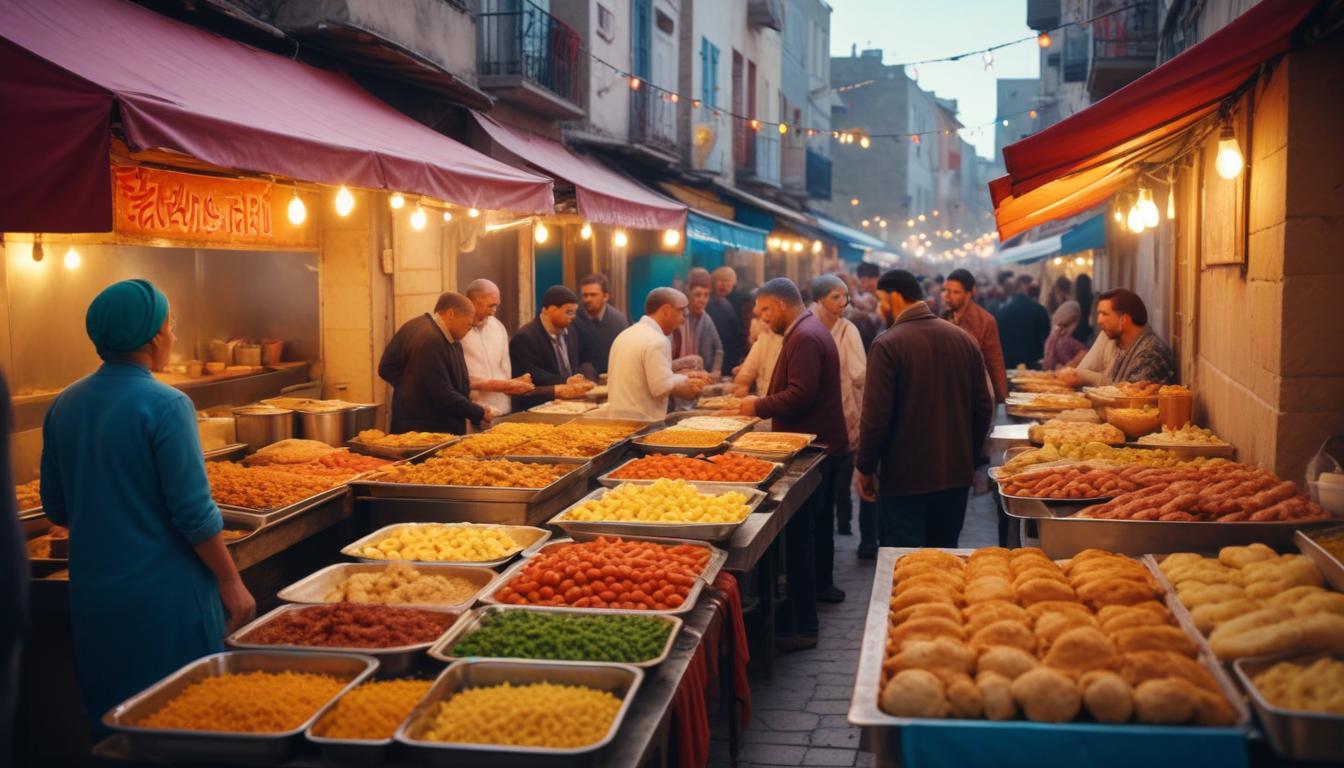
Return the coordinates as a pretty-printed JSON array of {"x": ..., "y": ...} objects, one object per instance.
[
  {"x": 714, "y": 232},
  {"x": 1089, "y": 234},
  {"x": 1030, "y": 252},
  {"x": 849, "y": 236}
]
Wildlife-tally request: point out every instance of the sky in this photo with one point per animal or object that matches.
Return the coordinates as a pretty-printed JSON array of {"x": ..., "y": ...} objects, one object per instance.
[{"x": 911, "y": 30}]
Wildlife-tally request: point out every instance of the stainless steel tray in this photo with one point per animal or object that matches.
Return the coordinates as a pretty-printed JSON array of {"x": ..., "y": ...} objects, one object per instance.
[
  {"x": 780, "y": 456},
  {"x": 240, "y": 521},
  {"x": 541, "y": 409},
  {"x": 349, "y": 752},
  {"x": 30, "y": 513},
  {"x": 1063, "y": 535},
  {"x": 528, "y": 417},
  {"x": 611, "y": 482},
  {"x": 508, "y": 575},
  {"x": 748, "y": 423},
  {"x": 171, "y": 745},
  {"x": 623, "y": 681},
  {"x": 269, "y": 516},
  {"x": 881, "y": 731},
  {"x": 313, "y": 588},
  {"x": 374, "y": 488},
  {"x": 396, "y": 452},
  {"x": 529, "y": 540},
  {"x": 1294, "y": 733},
  {"x": 1190, "y": 451},
  {"x": 643, "y": 447},
  {"x": 717, "y": 557},
  {"x": 392, "y": 661},
  {"x": 1331, "y": 568},
  {"x": 442, "y": 650},
  {"x": 226, "y": 452},
  {"x": 698, "y": 531}
]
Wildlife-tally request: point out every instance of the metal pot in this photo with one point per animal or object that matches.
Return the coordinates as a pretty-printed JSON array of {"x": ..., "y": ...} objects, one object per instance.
[
  {"x": 366, "y": 417},
  {"x": 259, "y": 426},
  {"x": 330, "y": 427}
]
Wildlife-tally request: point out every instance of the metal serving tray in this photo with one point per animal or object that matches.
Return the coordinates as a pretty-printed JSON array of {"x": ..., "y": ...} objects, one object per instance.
[
  {"x": 783, "y": 457},
  {"x": 881, "y": 731},
  {"x": 349, "y": 752},
  {"x": 623, "y": 681},
  {"x": 644, "y": 447},
  {"x": 227, "y": 452},
  {"x": 398, "y": 660},
  {"x": 1331, "y": 568},
  {"x": 442, "y": 650},
  {"x": 529, "y": 417},
  {"x": 1063, "y": 535},
  {"x": 698, "y": 531},
  {"x": 717, "y": 557},
  {"x": 529, "y": 540},
  {"x": 372, "y": 487},
  {"x": 543, "y": 409},
  {"x": 748, "y": 423},
  {"x": 1188, "y": 452},
  {"x": 269, "y": 516},
  {"x": 775, "y": 471},
  {"x": 174, "y": 745},
  {"x": 313, "y": 588},
  {"x": 1294, "y": 733},
  {"x": 396, "y": 452}
]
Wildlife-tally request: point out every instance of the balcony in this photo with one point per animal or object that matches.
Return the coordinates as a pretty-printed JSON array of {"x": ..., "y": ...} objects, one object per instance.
[
  {"x": 760, "y": 164},
  {"x": 1124, "y": 45},
  {"x": 530, "y": 58},
  {"x": 766, "y": 13},
  {"x": 653, "y": 121},
  {"x": 1043, "y": 14},
  {"x": 818, "y": 176}
]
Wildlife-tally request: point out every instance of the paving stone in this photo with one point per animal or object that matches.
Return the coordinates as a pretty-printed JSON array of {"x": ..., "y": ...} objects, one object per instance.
[
  {"x": 828, "y": 707},
  {"x": 835, "y": 678},
  {"x": 833, "y": 692},
  {"x": 836, "y": 737},
  {"x": 759, "y": 736},
  {"x": 773, "y": 754},
  {"x": 785, "y": 720},
  {"x": 827, "y": 756},
  {"x": 834, "y": 721},
  {"x": 865, "y": 760}
]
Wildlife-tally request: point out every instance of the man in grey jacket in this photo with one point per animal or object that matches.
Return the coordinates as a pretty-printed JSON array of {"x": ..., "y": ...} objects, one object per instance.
[{"x": 697, "y": 338}]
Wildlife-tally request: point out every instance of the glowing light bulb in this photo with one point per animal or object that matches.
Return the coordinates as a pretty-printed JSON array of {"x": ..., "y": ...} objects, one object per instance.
[
  {"x": 1080, "y": 261},
  {"x": 620, "y": 239},
  {"x": 783, "y": 129},
  {"x": 922, "y": 217},
  {"x": 1171, "y": 203},
  {"x": 853, "y": 201},
  {"x": 755, "y": 124},
  {"x": 447, "y": 215},
  {"x": 866, "y": 222},
  {"x": 1229, "y": 161},
  {"x": 882, "y": 223},
  {"x": 1059, "y": 260},
  {"x": 586, "y": 231},
  {"x": 1005, "y": 122},
  {"x": 418, "y": 218},
  {"x": 772, "y": 243},
  {"x": 635, "y": 83},
  {"x": 671, "y": 237},
  {"x": 1135, "y": 219},
  {"x": 71, "y": 258},
  {"x": 1148, "y": 208},
  {"x": 1031, "y": 113},
  {"x": 540, "y": 233},
  {"x": 797, "y": 246},
  {"x": 935, "y": 213},
  {"x": 910, "y": 223},
  {"x": 473, "y": 213},
  {"x": 297, "y": 211},
  {"x": 397, "y": 201},
  {"x": 816, "y": 246},
  {"x": 865, "y": 142},
  {"x": 1119, "y": 217},
  {"x": 1044, "y": 40},
  {"x": 345, "y": 202}
]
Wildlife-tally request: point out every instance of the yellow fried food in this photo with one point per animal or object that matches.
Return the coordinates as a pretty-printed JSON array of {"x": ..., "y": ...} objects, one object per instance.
[
  {"x": 1080, "y": 650},
  {"x": 493, "y": 473},
  {"x": 1047, "y": 696},
  {"x": 264, "y": 487},
  {"x": 578, "y": 440},
  {"x": 685, "y": 438},
  {"x": 251, "y": 702},
  {"x": 1107, "y": 696},
  {"x": 1318, "y": 687},
  {"x": 664, "y": 501},
  {"x": 964, "y": 699},
  {"x": 1005, "y": 632},
  {"x": 1240, "y": 557},
  {"x": 537, "y": 715},
  {"x": 1005, "y": 660},
  {"x": 1168, "y": 701},
  {"x": 372, "y": 711},
  {"x": 997, "y": 693},
  {"x": 403, "y": 439},
  {"x": 1154, "y": 638},
  {"x": 442, "y": 542},
  {"x": 914, "y": 693},
  {"x": 29, "y": 494},
  {"x": 941, "y": 655},
  {"x": 400, "y": 584}
]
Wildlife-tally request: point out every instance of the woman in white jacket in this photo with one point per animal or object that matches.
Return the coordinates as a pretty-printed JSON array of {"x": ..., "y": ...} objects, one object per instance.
[{"x": 831, "y": 296}]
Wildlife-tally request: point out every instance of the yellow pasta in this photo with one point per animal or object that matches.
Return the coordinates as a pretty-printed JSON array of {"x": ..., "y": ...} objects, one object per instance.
[
  {"x": 443, "y": 543},
  {"x": 664, "y": 501},
  {"x": 252, "y": 702},
  {"x": 537, "y": 715},
  {"x": 373, "y": 710}
]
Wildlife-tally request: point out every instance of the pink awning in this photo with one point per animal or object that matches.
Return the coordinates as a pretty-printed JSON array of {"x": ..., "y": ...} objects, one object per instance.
[
  {"x": 66, "y": 64},
  {"x": 604, "y": 196}
]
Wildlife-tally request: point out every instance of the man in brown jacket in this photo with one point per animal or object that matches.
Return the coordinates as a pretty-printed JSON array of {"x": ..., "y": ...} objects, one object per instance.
[
  {"x": 926, "y": 411},
  {"x": 960, "y": 308}
]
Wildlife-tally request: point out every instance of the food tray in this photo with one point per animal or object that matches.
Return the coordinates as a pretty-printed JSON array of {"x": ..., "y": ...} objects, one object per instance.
[
  {"x": 269, "y": 516},
  {"x": 1294, "y": 733},
  {"x": 1063, "y": 535},
  {"x": 717, "y": 557},
  {"x": 170, "y": 745},
  {"x": 623, "y": 681},
  {"x": 643, "y": 447},
  {"x": 530, "y": 539},
  {"x": 579, "y": 407},
  {"x": 611, "y": 482},
  {"x": 1191, "y": 451},
  {"x": 239, "y": 521},
  {"x": 224, "y": 453},
  {"x": 780, "y": 456},
  {"x": 1084, "y": 502},
  {"x": 605, "y": 460},
  {"x": 1330, "y": 567},
  {"x": 396, "y": 452},
  {"x": 371, "y": 487},
  {"x": 442, "y": 650},
  {"x": 312, "y": 589},
  {"x": 394, "y": 661},
  {"x": 1030, "y": 414},
  {"x": 697, "y": 531},
  {"x": 748, "y": 422},
  {"x": 1061, "y": 743},
  {"x": 350, "y": 752}
]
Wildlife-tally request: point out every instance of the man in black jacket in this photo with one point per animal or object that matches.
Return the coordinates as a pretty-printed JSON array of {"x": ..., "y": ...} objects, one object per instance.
[
  {"x": 549, "y": 349},
  {"x": 425, "y": 366},
  {"x": 1024, "y": 325}
]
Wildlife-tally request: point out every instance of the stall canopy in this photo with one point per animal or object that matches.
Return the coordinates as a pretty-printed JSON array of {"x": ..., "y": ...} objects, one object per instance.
[
  {"x": 848, "y": 235},
  {"x": 1029, "y": 252},
  {"x": 604, "y": 196},
  {"x": 1089, "y": 234},
  {"x": 67, "y": 67},
  {"x": 1082, "y": 160},
  {"x": 717, "y": 233}
]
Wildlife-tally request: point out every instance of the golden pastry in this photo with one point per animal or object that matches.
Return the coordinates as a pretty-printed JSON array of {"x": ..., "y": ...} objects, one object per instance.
[
  {"x": 1289, "y": 597},
  {"x": 1213, "y": 709},
  {"x": 1037, "y": 610},
  {"x": 1324, "y": 602},
  {"x": 1158, "y": 610},
  {"x": 1248, "y": 621},
  {"x": 1055, "y": 623},
  {"x": 1153, "y": 665},
  {"x": 964, "y": 698},
  {"x": 997, "y": 693},
  {"x": 1039, "y": 573},
  {"x": 914, "y": 693},
  {"x": 1082, "y": 650},
  {"x": 1167, "y": 701},
  {"x": 1108, "y": 698},
  {"x": 1005, "y": 660},
  {"x": 926, "y": 629},
  {"x": 1207, "y": 617},
  {"x": 981, "y": 615},
  {"x": 927, "y": 610},
  {"x": 988, "y": 588},
  {"x": 1005, "y": 632},
  {"x": 924, "y": 594},
  {"x": 935, "y": 556},
  {"x": 1128, "y": 618},
  {"x": 947, "y": 579},
  {"x": 942, "y": 655},
  {"x": 1240, "y": 557},
  {"x": 1161, "y": 638},
  {"x": 1318, "y": 687},
  {"x": 1041, "y": 590},
  {"x": 1047, "y": 696},
  {"x": 1117, "y": 592}
]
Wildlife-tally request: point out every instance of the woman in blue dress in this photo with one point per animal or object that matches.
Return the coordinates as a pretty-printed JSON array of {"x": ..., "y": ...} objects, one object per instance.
[{"x": 122, "y": 468}]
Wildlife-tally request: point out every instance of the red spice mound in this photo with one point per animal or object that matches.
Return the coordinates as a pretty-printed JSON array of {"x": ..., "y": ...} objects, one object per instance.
[{"x": 350, "y": 625}]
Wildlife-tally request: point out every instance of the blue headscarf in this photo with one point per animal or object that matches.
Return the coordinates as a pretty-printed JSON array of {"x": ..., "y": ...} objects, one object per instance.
[{"x": 125, "y": 317}]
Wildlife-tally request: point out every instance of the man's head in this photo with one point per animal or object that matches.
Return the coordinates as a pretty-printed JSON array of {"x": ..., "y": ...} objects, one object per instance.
[
  {"x": 667, "y": 307},
  {"x": 457, "y": 313},
  {"x": 958, "y": 290},
  {"x": 697, "y": 290},
  {"x": 130, "y": 320},
  {"x": 484, "y": 296},
  {"x": 1120, "y": 313},
  {"x": 867, "y": 274},
  {"x": 779, "y": 303},
  {"x": 1023, "y": 284},
  {"x": 831, "y": 293},
  {"x": 559, "y": 305},
  {"x": 595, "y": 292},
  {"x": 1004, "y": 280},
  {"x": 725, "y": 279},
  {"x": 897, "y": 289}
]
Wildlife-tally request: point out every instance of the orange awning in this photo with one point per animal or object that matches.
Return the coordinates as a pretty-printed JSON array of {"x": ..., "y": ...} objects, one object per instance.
[{"x": 1082, "y": 160}]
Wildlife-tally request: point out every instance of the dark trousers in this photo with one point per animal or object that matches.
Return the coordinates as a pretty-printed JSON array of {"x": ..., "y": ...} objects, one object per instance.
[
  {"x": 922, "y": 520},
  {"x": 867, "y": 526},
  {"x": 844, "y": 487},
  {"x": 809, "y": 554},
  {"x": 823, "y": 519}
]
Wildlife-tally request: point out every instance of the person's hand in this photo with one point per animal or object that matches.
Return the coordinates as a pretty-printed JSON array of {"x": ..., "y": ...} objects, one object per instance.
[
  {"x": 517, "y": 386},
  {"x": 866, "y": 485},
  {"x": 489, "y": 413},
  {"x": 568, "y": 391},
  {"x": 577, "y": 378},
  {"x": 1068, "y": 376},
  {"x": 741, "y": 390},
  {"x": 238, "y": 603},
  {"x": 748, "y": 407}
]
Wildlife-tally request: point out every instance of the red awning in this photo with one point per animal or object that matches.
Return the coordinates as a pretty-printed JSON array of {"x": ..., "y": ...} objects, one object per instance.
[
  {"x": 605, "y": 197},
  {"x": 1082, "y": 160},
  {"x": 66, "y": 64}
]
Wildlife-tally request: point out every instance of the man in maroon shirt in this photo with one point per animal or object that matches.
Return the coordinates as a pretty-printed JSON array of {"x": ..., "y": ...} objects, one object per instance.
[{"x": 804, "y": 396}]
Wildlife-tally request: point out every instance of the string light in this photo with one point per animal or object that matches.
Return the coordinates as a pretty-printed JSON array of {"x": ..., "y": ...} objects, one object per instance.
[
  {"x": 853, "y": 201},
  {"x": 586, "y": 231},
  {"x": 297, "y": 210},
  {"x": 865, "y": 142},
  {"x": 816, "y": 246},
  {"x": 473, "y": 213},
  {"x": 797, "y": 246},
  {"x": 755, "y": 124},
  {"x": 674, "y": 98},
  {"x": 865, "y": 223},
  {"x": 620, "y": 239},
  {"x": 1229, "y": 161},
  {"x": 447, "y": 216},
  {"x": 1148, "y": 208},
  {"x": 345, "y": 202},
  {"x": 783, "y": 129},
  {"x": 1044, "y": 40},
  {"x": 671, "y": 237},
  {"x": 1031, "y": 113},
  {"x": 1135, "y": 219},
  {"x": 1171, "y": 203},
  {"x": 397, "y": 201},
  {"x": 540, "y": 233},
  {"x": 418, "y": 219},
  {"x": 634, "y": 83},
  {"x": 910, "y": 223},
  {"x": 71, "y": 259}
]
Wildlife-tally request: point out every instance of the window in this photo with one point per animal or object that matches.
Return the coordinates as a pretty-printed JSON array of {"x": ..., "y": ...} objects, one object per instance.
[
  {"x": 606, "y": 23},
  {"x": 709, "y": 76},
  {"x": 664, "y": 23}
]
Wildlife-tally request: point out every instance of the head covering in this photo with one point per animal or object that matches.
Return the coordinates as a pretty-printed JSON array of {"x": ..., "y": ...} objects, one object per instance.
[
  {"x": 1068, "y": 314},
  {"x": 823, "y": 286},
  {"x": 1065, "y": 320},
  {"x": 125, "y": 317},
  {"x": 558, "y": 296}
]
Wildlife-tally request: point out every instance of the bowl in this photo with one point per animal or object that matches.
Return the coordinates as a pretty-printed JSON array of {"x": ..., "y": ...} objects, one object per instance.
[{"x": 1134, "y": 422}]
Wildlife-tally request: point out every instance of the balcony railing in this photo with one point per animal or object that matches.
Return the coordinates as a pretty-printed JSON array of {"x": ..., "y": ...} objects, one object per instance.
[
  {"x": 653, "y": 119},
  {"x": 1124, "y": 44},
  {"x": 763, "y": 159},
  {"x": 818, "y": 176},
  {"x": 516, "y": 38}
]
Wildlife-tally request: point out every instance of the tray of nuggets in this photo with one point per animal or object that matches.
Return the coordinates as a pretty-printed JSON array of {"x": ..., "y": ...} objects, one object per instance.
[
  {"x": 1252, "y": 601},
  {"x": 452, "y": 478},
  {"x": 1007, "y": 635},
  {"x": 1300, "y": 702},
  {"x": 1070, "y": 482},
  {"x": 1060, "y": 431}
]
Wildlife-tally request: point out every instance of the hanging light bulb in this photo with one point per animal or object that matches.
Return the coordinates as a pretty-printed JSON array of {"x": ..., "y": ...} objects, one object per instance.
[
  {"x": 397, "y": 201},
  {"x": 71, "y": 259},
  {"x": 1005, "y": 122},
  {"x": 1148, "y": 207},
  {"x": 345, "y": 202},
  {"x": 772, "y": 243},
  {"x": 816, "y": 246},
  {"x": 755, "y": 124},
  {"x": 447, "y": 215},
  {"x": 540, "y": 233},
  {"x": 1171, "y": 203},
  {"x": 620, "y": 239},
  {"x": 935, "y": 213},
  {"x": 1229, "y": 162},
  {"x": 783, "y": 129},
  {"x": 882, "y": 223},
  {"x": 418, "y": 218},
  {"x": 797, "y": 246},
  {"x": 634, "y": 83},
  {"x": 37, "y": 247},
  {"x": 297, "y": 211},
  {"x": 1135, "y": 219},
  {"x": 1119, "y": 216},
  {"x": 865, "y": 222},
  {"x": 922, "y": 217},
  {"x": 988, "y": 59},
  {"x": 910, "y": 223},
  {"x": 1059, "y": 260},
  {"x": 1031, "y": 113},
  {"x": 853, "y": 201},
  {"x": 695, "y": 103},
  {"x": 473, "y": 213},
  {"x": 674, "y": 98},
  {"x": 671, "y": 237},
  {"x": 586, "y": 231},
  {"x": 1044, "y": 40},
  {"x": 1080, "y": 261},
  {"x": 865, "y": 142}
]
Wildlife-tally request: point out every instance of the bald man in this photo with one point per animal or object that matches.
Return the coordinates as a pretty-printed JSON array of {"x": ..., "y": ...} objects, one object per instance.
[
  {"x": 425, "y": 366},
  {"x": 640, "y": 376}
]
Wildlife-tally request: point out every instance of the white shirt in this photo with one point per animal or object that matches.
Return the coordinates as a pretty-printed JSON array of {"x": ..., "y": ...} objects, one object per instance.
[
  {"x": 1095, "y": 367},
  {"x": 486, "y": 348},
  {"x": 639, "y": 373},
  {"x": 760, "y": 362}
]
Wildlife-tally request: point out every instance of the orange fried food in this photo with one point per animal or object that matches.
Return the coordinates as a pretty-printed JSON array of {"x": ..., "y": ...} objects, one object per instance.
[
  {"x": 943, "y": 656},
  {"x": 1153, "y": 607},
  {"x": 1037, "y": 610},
  {"x": 925, "y": 629},
  {"x": 997, "y": 693},
  {"x": 1005, "y": 660},
  {"x": 1039, "y": 573},
  {"x": 1005, "y": 632},
  {"x": 1139, "y": 667},
  {"x": 1041, "y": 590},
  {"x": 1080, "y": 650},
  {"x": 927, "y": 610},
  {"x": 1052, "y": 624},
  {"x": 1166, "y": 701},
  {"x": 1128, "y": 617},
  {"x": 981, "y": 615},
  {"x": 1047, "y": 696},
  {"x": 1160, "y": 638},
  {"x": 923, "y": 594},
  {"x": 964, "y": 698},
  {"x": 935, "y": 557},
  {"x": 914, "y": 693},
  {"x": 944, "y": 579},
  {"x": 1108, "y": 698},
  {"x": 987, "y": 588},
  {"x": 1117, "y": 592}
]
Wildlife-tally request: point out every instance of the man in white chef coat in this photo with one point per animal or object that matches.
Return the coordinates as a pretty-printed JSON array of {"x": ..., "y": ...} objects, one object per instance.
[{"x": 639, "y": 371}]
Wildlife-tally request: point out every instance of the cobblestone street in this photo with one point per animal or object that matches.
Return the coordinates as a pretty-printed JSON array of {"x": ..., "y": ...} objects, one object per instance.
[{"x": 799, "y": 716}]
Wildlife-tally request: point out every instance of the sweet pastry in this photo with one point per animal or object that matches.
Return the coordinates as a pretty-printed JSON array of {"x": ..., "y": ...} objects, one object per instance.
[
  {"x": 914, "y": 693},
  {"x": 1047, "y": 696}
]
